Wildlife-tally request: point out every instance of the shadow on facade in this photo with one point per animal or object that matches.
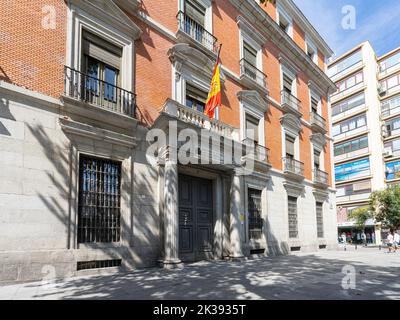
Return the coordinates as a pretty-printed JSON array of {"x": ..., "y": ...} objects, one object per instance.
[{"x": 286, "y": 277}]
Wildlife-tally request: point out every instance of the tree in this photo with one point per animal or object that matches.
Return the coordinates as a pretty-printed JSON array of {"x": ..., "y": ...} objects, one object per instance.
[
  {"x": 385, "y": 207},
  {"x": 360, "y": 216}
]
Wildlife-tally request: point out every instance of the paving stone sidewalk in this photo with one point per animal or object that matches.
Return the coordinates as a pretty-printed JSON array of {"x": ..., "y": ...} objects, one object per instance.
[{"x": 298, "y": 276}]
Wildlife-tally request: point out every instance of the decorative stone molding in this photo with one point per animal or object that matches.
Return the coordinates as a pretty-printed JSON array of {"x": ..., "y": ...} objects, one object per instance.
[
  {"x": 293, "y": 189},
  {"x": 250, "y": 31},
  {"x": 318, "y": 140},
  {"x": 81, "y": 129},
  {"x": 291, "y": 123},
  {"x": 111, "y": 14},
  {"x": 183, "y": 55},
  {"x": 320, "y": 195},
  {"x": 252, "y": 98}
]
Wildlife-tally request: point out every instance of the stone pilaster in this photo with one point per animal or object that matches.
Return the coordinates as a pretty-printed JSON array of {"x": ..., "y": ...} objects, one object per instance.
[
  {"x": 237, "y": 235},
  {"x": 170, "y": 259}
]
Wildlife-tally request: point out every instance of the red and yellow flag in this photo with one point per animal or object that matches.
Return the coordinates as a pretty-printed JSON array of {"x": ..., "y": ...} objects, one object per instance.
[{"x": 214, "y": 96}]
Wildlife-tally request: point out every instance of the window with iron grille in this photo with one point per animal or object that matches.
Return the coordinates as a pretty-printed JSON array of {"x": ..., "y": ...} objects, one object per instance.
[
  {"x": 292, "y": 211},
  {"x": 320, "y": 220},
  {"x": 255, "y": 219},
  {"x": 99, "y": 211}
]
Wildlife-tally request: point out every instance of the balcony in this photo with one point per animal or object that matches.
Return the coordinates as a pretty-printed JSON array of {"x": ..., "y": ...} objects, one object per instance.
[
  {"x": 86, "y": 89},
  {"x": 320, "y": 178},
  {"x": 195, "y": 33},
  {"x": 318, "y": 123},
  {"x": 251, "y": 76},
  {"x": 347, "y": 92},
  {"x": 290, "y": 103},
  {"x": 293, "y": 169},
  {"x": 389, "y": 65},
  {"x": 199, "y": 120},
  {"x": 389, "y": 110},
  {"x": 257, "y": 154}
]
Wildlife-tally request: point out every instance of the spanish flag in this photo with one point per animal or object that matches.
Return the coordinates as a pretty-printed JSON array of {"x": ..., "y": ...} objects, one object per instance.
[{"x": 214, "y": 96}]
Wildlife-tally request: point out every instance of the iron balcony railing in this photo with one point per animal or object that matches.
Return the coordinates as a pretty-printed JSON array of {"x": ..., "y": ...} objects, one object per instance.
[
  {"x": 88, "y": 89},
  {"x": 317, "y": 120},
  {"x": 246, "y": 68},
  {"x": 320, "y": 176},
  {"x": 293, "y": 166},
  {"x": 196, "y": 31},
  {"x": 252, "y": 148},
  {"x": 291, "y": 101}
]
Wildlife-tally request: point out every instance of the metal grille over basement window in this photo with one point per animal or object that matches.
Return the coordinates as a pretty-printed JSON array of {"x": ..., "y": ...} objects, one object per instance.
[
  {"x": 292, "y": 206},
  {"x": 99, "y": 213},
  {"x": 255, "y": 219},
  {"x": 320, "y": 221}
]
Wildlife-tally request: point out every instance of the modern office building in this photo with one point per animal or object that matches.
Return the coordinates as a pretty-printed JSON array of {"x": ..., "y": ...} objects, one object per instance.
[
  {"x": 365, "y": 114},
  {"x": 84, "y": 84}
]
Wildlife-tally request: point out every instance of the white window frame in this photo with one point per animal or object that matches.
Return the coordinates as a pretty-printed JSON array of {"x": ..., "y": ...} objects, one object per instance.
[
  {"x": 245, "y": 109},
  {"x": 78, "y": 20},
  {"x": 256, "y": 46},
  {"x": 288, "y": 18},
  {"x": 315, "y": 95},
  {"x": 311, "y": 45},
  {"x": 291, "y": 74}
]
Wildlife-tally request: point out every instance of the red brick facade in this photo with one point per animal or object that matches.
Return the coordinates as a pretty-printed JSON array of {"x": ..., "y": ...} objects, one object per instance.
[{"x": 34, "y": 57}]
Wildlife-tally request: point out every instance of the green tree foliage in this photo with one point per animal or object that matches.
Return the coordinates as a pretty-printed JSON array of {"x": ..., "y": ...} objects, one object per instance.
[
  {"x": 360, "y": 216},
  {"x": 385, "y": 206}
]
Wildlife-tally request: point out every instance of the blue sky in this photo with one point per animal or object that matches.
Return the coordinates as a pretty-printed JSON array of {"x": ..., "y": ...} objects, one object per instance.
[{"x": 376, "y": 21}]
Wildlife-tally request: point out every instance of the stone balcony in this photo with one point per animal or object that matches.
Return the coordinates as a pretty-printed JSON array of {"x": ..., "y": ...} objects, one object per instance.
[
  {"x": 291, "y": 104},
  {"x": 318, "y": 123},
  {"x": 320, "y": 178},
  {"x": 293, "y": 169}
]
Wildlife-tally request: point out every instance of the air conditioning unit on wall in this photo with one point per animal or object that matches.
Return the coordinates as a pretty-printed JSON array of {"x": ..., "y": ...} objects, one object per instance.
[{"x": 387, "y": 153}]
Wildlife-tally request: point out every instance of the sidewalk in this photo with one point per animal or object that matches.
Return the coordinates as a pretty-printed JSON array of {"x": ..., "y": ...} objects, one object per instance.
[{"x": 298, "y": 276}]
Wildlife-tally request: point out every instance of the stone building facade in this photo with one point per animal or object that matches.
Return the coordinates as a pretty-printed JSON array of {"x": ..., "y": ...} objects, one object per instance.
[{"x": 82, "y": 88}]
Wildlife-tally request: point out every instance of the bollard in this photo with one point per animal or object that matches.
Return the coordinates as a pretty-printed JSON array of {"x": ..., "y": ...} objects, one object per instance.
[
  {"x": 380, "y": 247},
  {"x": 356, "y": 246}
]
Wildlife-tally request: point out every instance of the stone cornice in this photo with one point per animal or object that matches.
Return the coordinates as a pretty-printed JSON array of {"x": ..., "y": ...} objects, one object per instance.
[
  {"x": 110, "y": 13},
  {"x": 260, "y": 19}
]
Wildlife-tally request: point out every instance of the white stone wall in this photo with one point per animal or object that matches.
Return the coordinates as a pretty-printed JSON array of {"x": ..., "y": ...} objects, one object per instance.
[{"x": 38, "y": 193}]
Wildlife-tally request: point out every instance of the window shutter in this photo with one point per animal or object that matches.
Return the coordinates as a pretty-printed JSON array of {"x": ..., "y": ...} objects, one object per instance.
[
  {"x": 249, "y": 54},
  {"x": 196, "y": 11},
  {"x": 196, "y": 93},
  {"x": 287, "y": 82},
  {"x": 252, "y": 124},
  {"x": 290, "y": 146},
  {"x": 101, "y": 50}
]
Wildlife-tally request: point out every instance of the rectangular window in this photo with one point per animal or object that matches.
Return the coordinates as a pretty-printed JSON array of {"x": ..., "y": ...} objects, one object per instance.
[
  {"x": 292, "y": 211},
  {"x": 389, "y": 62},
  {"x": 290, "y": 147},
  {"x": 391, "y": 106},
  {"x": 249, "y": 54},
  {"x": 316, "y": 159},
  {"x": 393, "y": 127},
  {"x": 195, "y": 98},
  {"x": 349, "y": 82},
  {"x": 99, "y": 204},
  {"x": 352, "y": 170},
  {"x": 101, "y": 62},
  {"x": 345, "y": 64},
  {"x": 314, "y": 104},
  {"x": 287, "y": 83},
  {"x": 195, "y": 11},
  {"x": 255, "y": 211},
  {"x": 349, "y": 125},
  {"x": 348, "y": 104},
  {"x": 391, "y": 82},
  {"x": 252, "y": 127},
  {"x": 392, "y": 170},
  {"x": 320, "y": 220}
]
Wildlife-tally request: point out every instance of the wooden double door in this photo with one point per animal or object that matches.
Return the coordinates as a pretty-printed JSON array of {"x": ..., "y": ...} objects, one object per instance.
[{"x": 196, "y": 218}]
